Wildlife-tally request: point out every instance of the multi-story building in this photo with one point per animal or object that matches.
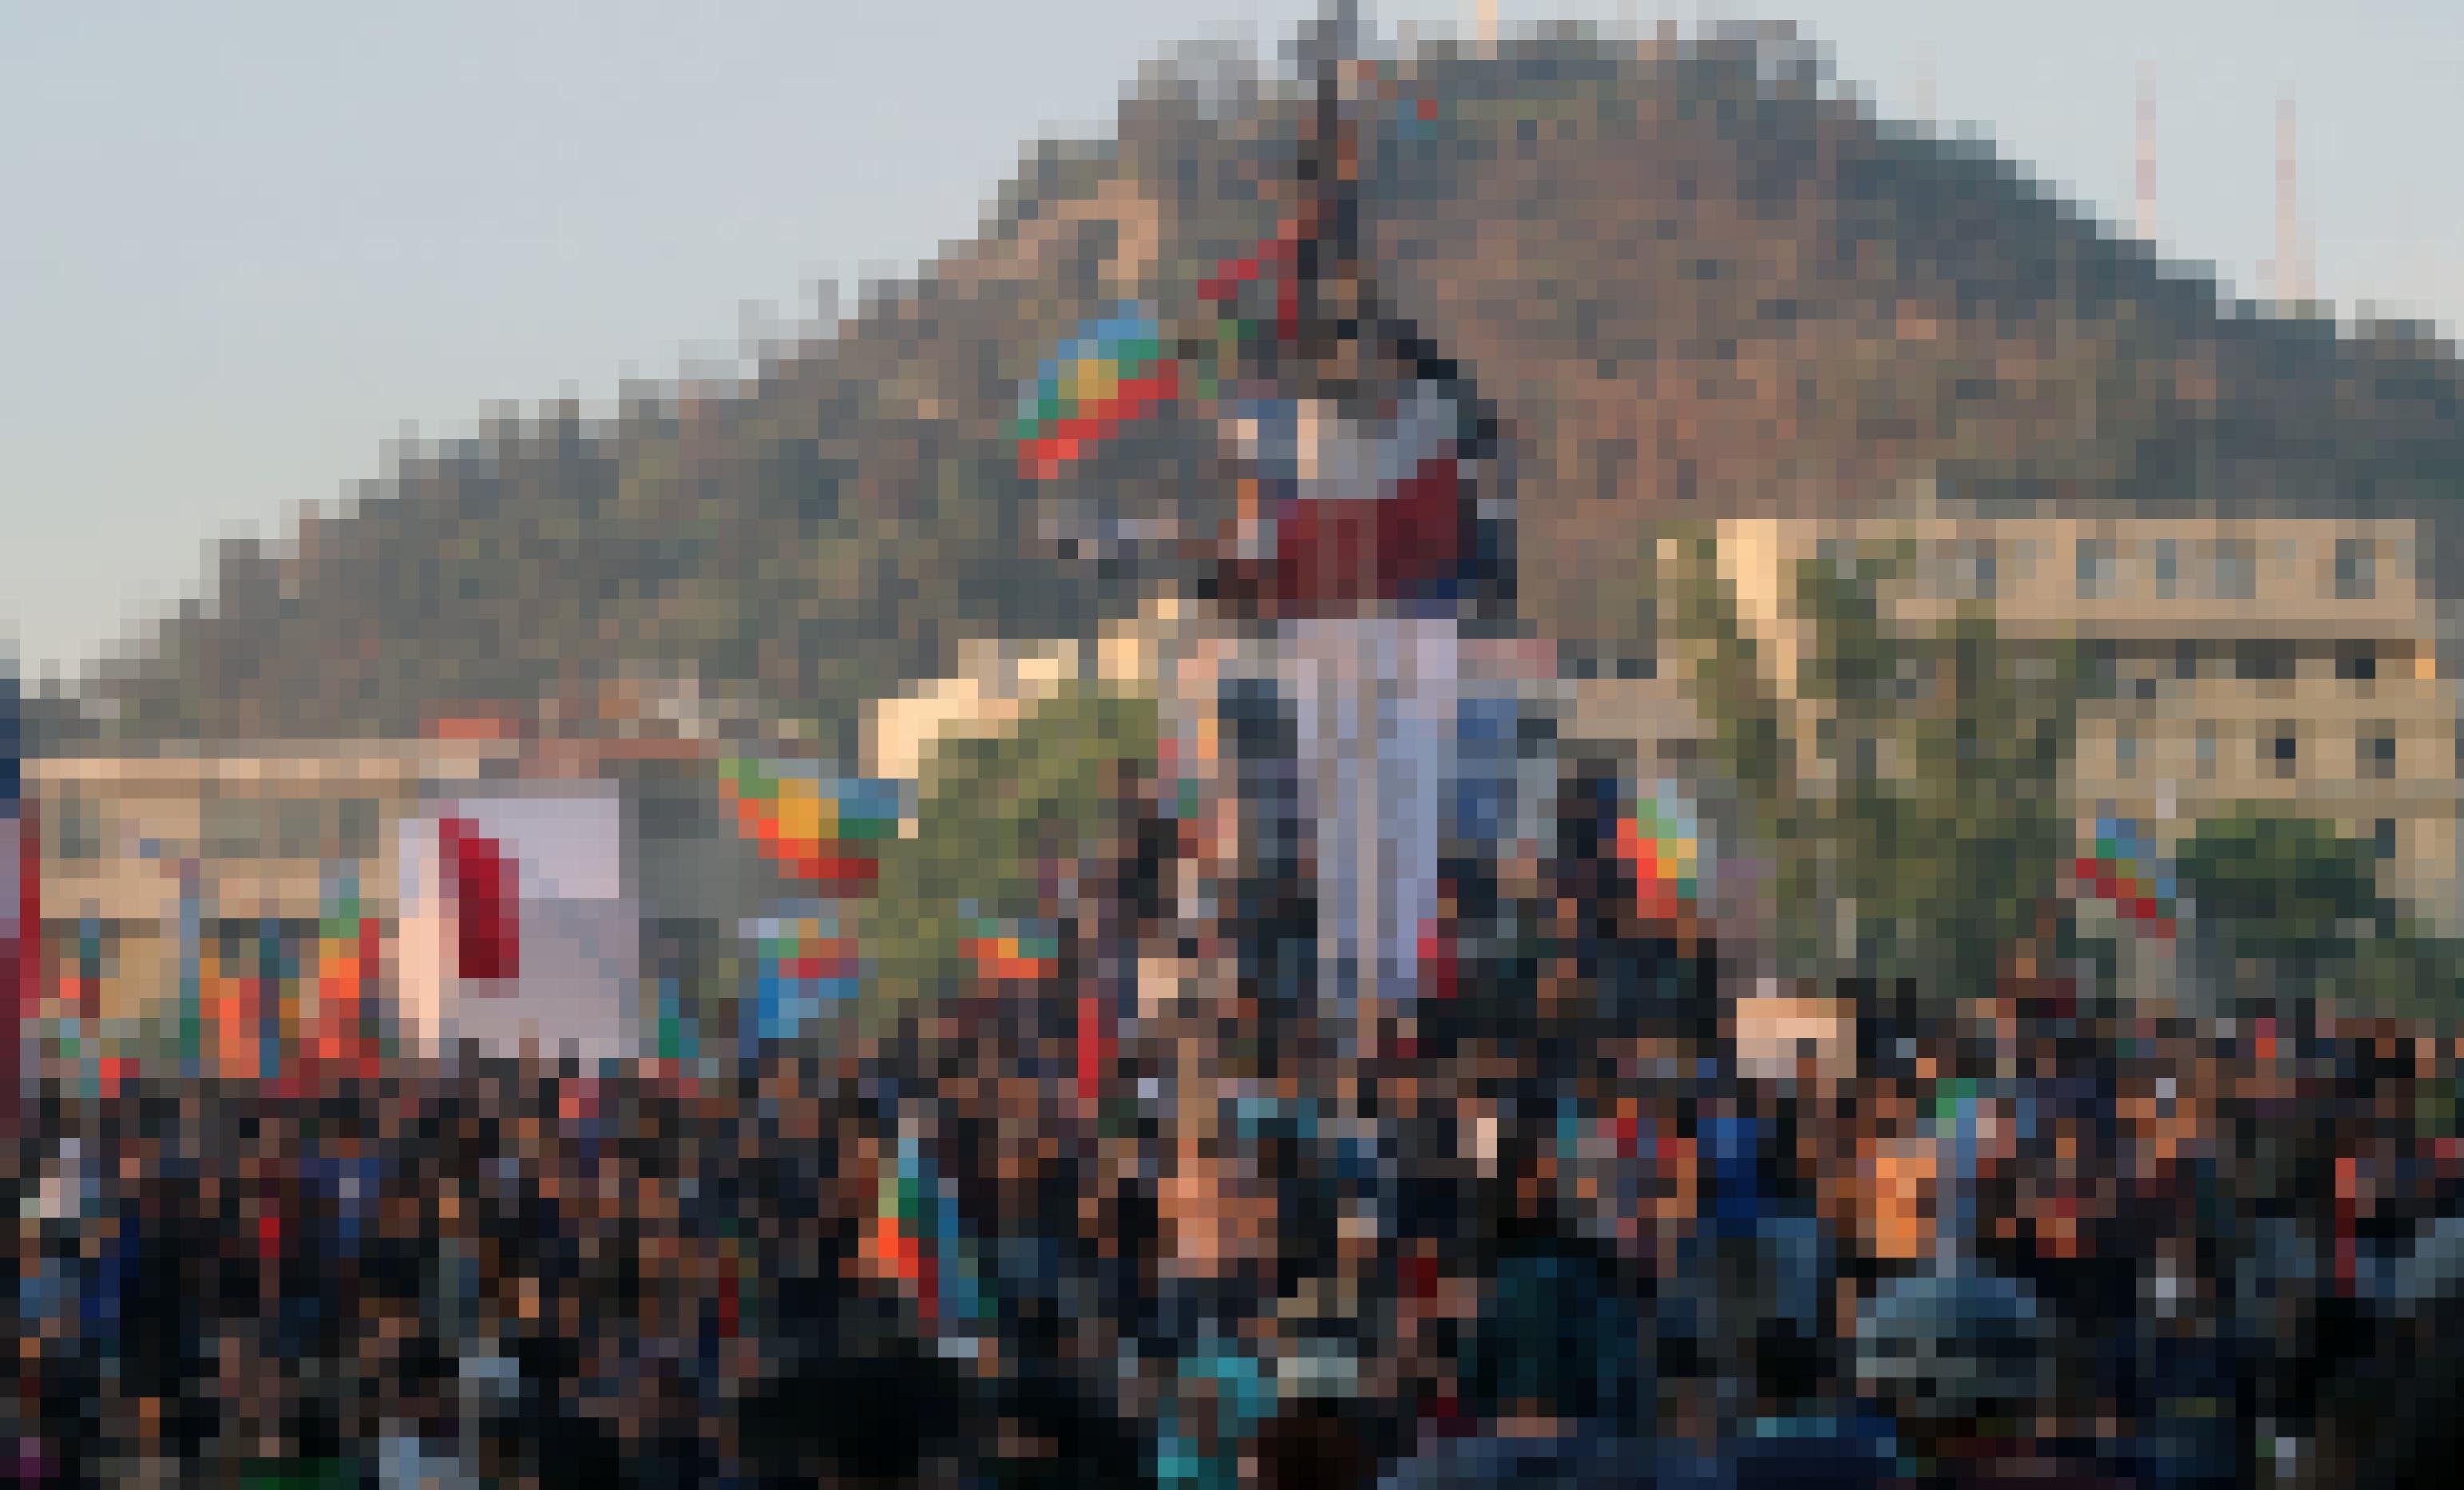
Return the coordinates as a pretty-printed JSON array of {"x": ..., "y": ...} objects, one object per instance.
[
  {"x": 235, "y": 911},
  {"x": 268, "y": 831},
  {"x": 2267, "y": 660},
  {"x": 178, "y": 889},
  {"x": 241, "y": 908}
]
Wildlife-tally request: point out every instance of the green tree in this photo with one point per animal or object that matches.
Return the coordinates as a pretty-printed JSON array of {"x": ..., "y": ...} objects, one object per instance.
[
  {"x": 2304, "y": 902},
  {"x": 1696, "y": 619},
  {"x": 2281, "y": 887},
  {"x": 1910, "y": 796},
  {"x": 1001, "y": 821},
  {"x": 1944, "y": 753}
]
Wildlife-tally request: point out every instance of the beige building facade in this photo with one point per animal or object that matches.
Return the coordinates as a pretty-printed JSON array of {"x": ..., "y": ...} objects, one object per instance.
[
  {"x": 2263, "y": 660},
  {"x": 284, "y": 838},
  {"x": 267, "y": 830}
]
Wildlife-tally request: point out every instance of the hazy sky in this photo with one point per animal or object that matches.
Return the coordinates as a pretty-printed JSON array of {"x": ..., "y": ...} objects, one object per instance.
[{"x": 242, "y": 245}]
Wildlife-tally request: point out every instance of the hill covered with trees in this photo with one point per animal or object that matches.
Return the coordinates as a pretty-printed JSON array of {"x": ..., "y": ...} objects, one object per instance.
[{"x": 1693, "y": 277}]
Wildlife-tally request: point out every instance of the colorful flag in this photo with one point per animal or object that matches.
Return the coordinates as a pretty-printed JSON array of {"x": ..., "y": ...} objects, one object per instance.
[
  {"x": 919, "y": 1241},
  {"x": 1112, "y": 372},
  {"x": 1663, "y": 841},
  {"x": 801, "y": 964},
  {"x": 1012, "y": 951},
  {"x": 816, "y": 830},
  {"x": 2121, "y": 866}
]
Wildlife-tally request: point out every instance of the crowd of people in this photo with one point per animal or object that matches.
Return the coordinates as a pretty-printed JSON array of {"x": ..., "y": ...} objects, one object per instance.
[{"x": 1556, "y": 1232}]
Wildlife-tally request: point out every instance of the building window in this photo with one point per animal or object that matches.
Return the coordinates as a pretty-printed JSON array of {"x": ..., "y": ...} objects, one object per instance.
[
  {"x": 2237, "y": 570},
  {"x": 2186, "y": 661},
  {"x": 2377, "y": 754},
  {"x": 78, "y": 838},
  {"x": 2096, "y": 569},
  {"x": 2356, "y": 570},
  {"x": 2166, "y": 573},
  {"x": 2126, "y": 751},
  {"x": 234, "y": 828},
  {"x": 2101, "y": 668},
  {"x": 2284, "y": 750},
  {"x": 2383, "y": 842},
  {"x": 1973, "y": 570},
  {"x": 2266, "y": 661},
  {"x": 357, "y": 830},
  {"x": 2203, "y": 749},
  {"x": 298, "y": 829},
  {"x": 2359, "y": 663}
]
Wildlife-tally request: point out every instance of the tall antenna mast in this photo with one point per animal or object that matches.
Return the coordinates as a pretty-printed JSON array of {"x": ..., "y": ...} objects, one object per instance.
[
  {"x": 2292, "y": 274},
  {"x": 2147, "y": 219}
]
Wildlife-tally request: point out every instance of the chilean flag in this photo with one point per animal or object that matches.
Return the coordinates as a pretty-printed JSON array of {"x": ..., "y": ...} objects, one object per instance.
[{"x": 482, "y": 888}]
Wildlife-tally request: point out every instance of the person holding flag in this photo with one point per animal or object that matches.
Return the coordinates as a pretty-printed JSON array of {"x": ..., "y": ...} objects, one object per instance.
[
  {"x": 1371, "y": 542},
  {"x": 1344, "y": 675}
]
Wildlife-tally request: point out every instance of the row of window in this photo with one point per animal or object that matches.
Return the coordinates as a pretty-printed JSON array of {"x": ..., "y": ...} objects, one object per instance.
[
  {"x": 2210, "y": 569},
  {"x": 2279, "y": 750},
  {"x": 2229, "y": 567},
  {"x": 2117, "y": 673},
  {"x": 2219, "y": 569},
  {"x": 233, "y": 828}
]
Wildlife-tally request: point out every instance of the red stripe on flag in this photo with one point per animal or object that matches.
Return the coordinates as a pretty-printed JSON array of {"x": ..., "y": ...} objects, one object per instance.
[
  {"x": 1069, "y": 440},
  {"x": 481, "y": 880},
  {"x": 841, "y": 872}
]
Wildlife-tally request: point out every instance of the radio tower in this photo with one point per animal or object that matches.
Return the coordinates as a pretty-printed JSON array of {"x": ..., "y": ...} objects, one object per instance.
[
  {"x": 2147, "y": 216},
  {"x": 2292, "y": 268}
]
